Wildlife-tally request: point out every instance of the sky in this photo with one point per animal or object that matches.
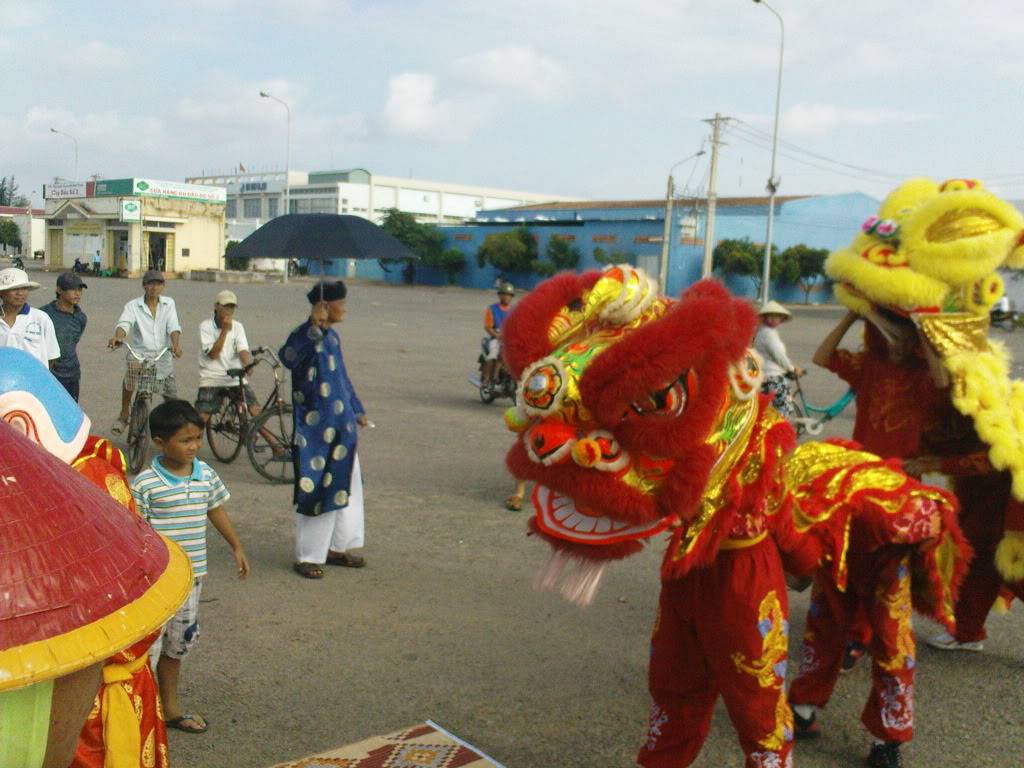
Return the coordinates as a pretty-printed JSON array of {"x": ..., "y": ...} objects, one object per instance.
[{"x": 595, "y": 99}]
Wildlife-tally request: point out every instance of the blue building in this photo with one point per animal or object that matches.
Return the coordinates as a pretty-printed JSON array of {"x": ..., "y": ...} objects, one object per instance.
[{"x": 636, "y": 227}]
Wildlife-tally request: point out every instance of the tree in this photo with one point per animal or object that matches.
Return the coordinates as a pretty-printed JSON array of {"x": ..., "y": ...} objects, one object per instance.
[
  {"x": 9, "y": 193},
  {"x": 230, "y": 262},
  {"x": 561, "y": 254},
  {"x": 10, "y": 235},
  {"x": 426, "y": 241},
  {"x": 611, "y": 258},
  {"x": 810, "y": 266},
  {"x": 513, "y": 250},
  {"x": 746, "y": 259}
]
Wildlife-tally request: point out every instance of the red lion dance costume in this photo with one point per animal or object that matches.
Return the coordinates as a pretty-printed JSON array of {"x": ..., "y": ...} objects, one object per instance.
[{"x": 639, "y": 415}]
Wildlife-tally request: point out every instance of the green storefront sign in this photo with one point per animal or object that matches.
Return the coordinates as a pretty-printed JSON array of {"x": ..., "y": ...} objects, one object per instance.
[{"x": 153, "y": 188}]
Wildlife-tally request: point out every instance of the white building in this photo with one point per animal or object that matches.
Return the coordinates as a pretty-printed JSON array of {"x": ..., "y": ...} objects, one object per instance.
[
  {"x": 254, "y": 198},
  {"x": 31, "y": 226}
]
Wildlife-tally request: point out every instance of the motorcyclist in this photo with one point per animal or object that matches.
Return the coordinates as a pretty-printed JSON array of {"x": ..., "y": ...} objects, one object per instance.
[{"x": 494, "y": 316}]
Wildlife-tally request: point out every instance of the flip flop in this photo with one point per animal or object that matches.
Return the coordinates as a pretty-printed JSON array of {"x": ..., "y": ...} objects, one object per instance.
[
  {"x": 178, "y": 723},
  {"x": 118, "y": 427},
  {"x": 514, "y": 503},
  {"x": 308, "y": 570}
]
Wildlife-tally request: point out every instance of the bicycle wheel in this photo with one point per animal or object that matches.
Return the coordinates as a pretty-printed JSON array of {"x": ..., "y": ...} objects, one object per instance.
[
  {"x": 226, "y": 429},
  {"x": 138, "y": 435},
  {"x": 270, "y": 444}
]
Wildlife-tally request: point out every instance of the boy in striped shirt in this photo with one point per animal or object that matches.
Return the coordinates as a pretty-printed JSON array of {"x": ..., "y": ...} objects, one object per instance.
[{"x": 177, "y": 494}]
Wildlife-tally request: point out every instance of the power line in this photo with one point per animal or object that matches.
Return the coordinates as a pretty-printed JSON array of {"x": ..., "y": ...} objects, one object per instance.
[{"x": 796, "y": 148}]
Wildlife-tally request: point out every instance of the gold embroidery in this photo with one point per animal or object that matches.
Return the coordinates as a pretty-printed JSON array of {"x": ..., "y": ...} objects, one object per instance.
[
  {"x": 898, "y": 605},
  {"x": 769, "y": 669}
]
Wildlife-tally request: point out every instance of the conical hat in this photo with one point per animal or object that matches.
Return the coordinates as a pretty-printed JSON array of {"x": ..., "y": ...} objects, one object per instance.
[
  {"x": 774, "y": 308},
  {"x": 80, "y": 576}
]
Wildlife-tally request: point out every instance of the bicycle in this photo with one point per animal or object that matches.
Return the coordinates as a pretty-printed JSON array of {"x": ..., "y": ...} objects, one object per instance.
[
  {"x": 810, "y": 419},
  {"x": 268, "y": 436},
  {"x": 141, "y": 379}
]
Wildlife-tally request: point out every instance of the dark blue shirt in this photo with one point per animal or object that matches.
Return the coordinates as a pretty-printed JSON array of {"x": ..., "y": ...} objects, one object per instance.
[{"x": 69, "y": 327}]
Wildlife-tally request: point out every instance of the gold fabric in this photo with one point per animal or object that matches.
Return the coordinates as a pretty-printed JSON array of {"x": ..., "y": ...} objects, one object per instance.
[{"x": 953, "y": 332}]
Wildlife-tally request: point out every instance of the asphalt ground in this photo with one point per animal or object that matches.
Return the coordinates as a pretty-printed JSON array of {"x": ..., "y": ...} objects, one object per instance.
[{"x": 443, "y": 623}]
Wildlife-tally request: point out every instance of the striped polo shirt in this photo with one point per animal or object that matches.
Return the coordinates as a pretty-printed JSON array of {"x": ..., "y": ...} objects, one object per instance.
[{"x": 177, "y": 506}]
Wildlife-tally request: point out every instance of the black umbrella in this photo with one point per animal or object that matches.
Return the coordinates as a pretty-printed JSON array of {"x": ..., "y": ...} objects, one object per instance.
[{"x": 321, "y": 237}]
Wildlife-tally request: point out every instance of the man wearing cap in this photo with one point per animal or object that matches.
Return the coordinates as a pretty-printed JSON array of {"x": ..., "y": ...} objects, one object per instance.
[
  {"x": 222, "y": 346},
  {"x": 494, "y": 316},
  {"x": 69, "y": 323},
  {"x": 777, "y": 365},
  {"x": 152, "y": 322},
  {"x": 23, "y": 326}
]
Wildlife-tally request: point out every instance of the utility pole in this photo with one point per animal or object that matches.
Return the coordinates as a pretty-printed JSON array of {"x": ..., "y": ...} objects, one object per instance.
[
  {"x": 666, "y": 238},
  {"x": 709, "y": 227}
]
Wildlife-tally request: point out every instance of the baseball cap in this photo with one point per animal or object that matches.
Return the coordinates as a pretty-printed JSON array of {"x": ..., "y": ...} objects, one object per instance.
[
  {"x": 153, "y": 276},
  {"x": 227, "y": 298},
  {"x": 12, "y": 278},
  {"x": 70, "y": 280}
]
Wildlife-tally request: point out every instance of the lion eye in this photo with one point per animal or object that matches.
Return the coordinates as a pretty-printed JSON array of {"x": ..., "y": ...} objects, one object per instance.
[{"x": 667, "y": 401}]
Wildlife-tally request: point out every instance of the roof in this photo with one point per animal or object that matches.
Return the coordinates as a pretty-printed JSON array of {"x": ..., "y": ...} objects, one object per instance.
[
  {"x": 7, "y": 210},
  {"x": 584, "y": 205}
]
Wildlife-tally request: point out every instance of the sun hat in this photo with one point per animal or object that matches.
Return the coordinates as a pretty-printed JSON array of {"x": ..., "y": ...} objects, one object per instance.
[
  {"x": 153, "y": 276},
  {"x": 227, "y": 298},
  {"x": 69, "y": 281},
  {"x": 12, "y": 278},
  {"x": 774, "y": 308}
]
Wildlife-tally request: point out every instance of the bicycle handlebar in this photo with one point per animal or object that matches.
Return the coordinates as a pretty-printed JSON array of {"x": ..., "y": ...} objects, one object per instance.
[{"x": 144, "y": 358}]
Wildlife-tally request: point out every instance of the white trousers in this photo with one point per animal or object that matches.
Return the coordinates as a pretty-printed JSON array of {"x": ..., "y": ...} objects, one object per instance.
[{"x": 338, "y": 529}]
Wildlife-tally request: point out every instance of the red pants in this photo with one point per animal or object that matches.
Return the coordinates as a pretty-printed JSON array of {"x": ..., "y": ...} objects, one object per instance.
[
  {"x": 879, "y": 585},
  {"x": 723, "y": 630},
  {"x": 982, "y": 501}
]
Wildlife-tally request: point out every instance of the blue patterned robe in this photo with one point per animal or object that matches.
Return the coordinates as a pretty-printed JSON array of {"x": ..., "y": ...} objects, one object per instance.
[{"x": 326, "y": 410}]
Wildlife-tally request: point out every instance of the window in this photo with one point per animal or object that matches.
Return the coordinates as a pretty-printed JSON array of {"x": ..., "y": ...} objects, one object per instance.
[
  {"x": 314, "y": 205},
  {"x": 251, "y": 208},
  {"x": 271, "y": 207},
  {"x": 688, "y": 226},
  {"x": 185, "y": 253},
  {"x": 231, "y": 209}
]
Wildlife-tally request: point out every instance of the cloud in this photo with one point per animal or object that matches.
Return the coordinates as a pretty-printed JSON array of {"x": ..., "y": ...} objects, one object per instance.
[
  {"x": 95, "y": 56},
  {"x": 18, "y": 13},
  {"x": 413, "y": 110},
  {"x": 515, "y": 68},
  {"x": 819, "y": 119}
]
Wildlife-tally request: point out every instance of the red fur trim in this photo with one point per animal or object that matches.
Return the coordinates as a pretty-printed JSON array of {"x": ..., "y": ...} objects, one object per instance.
[
  {"x": 619, "y": 551},
  {"x": 598, "y": 491},
  {"x": 524, "y": 334}
]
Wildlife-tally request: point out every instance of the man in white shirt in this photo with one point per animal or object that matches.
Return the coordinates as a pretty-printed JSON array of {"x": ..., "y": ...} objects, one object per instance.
[
  {"x": 150, "y": 325},
  {"x": 222, "y": 346},
  {"x": 22, "y": 326}
]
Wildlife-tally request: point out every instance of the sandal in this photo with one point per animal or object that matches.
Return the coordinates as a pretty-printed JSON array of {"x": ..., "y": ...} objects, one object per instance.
[
  {"x": 514, "y": 503},
  {"x": 345, "y": 560},
  {"x": 308, "y": 570},
  {"x": 118, "y": 426},
  {"x": 198, "y": 723}
]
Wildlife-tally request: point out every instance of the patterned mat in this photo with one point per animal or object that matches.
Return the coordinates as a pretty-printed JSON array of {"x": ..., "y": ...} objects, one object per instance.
[{"x": 421, "y": 746}]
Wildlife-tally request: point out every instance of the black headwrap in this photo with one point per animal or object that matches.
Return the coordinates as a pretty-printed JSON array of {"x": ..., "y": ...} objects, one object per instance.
[{"x": 327, "y": 290}]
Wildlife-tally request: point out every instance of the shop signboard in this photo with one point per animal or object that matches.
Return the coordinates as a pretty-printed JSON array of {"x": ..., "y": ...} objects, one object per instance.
[
  {"x": 131, "y": 210},
  {"x": 64, "y": 189},
  {"x": 179, "y": 191},
  {"x": 113, "y": 187}
]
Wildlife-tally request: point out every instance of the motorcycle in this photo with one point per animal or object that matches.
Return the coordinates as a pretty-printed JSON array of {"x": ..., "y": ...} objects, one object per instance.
[
  {"x": 502, "y": 386},
  {"x": 79, "y": 267},
  {"x": 17, "y": 262}
]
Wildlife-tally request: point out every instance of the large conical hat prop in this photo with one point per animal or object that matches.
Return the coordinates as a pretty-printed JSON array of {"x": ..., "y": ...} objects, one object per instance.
[{"x": 80, "y": 577}]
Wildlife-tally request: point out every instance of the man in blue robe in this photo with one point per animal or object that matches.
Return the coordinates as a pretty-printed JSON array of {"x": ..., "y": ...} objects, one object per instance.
[{"x": 328, "y": 493}]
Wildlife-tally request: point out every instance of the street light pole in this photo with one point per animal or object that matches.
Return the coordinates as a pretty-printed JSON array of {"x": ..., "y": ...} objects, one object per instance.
[
  {"x": 666, "y": 238},
  {"x": 73, "y": 139},
  {"x": 287, "y": 163},
  {"x": 773, "y": 182}
]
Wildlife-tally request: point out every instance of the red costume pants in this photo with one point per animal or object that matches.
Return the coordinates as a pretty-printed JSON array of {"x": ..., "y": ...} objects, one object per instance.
[
  {"x": 723, "y": 630},
  {"x": 879, "y": 585},
  {"x": 982, "y": 502}
]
